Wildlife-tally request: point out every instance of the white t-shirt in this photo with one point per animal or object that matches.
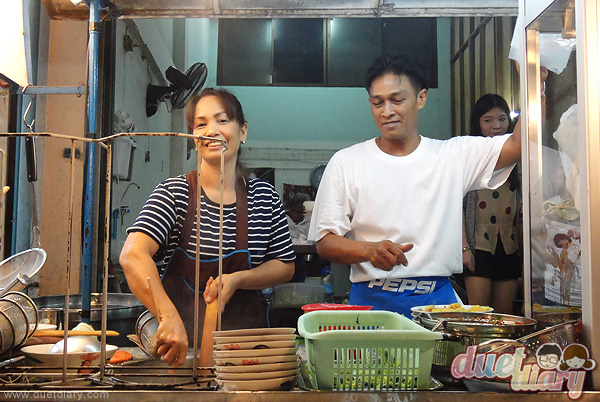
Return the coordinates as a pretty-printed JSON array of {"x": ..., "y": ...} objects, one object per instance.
[{"x": 368, "y": 195}]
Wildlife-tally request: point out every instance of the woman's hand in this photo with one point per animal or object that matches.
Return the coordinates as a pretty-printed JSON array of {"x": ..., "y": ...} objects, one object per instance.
[
  {"x": 211, "y": 291},
  {"x": 171, "y": 340},
  {"x": 468, "y": 260},
  {"x": 386, "y": 254}
]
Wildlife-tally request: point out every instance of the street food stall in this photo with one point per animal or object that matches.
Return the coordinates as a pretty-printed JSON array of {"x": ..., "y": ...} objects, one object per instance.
[{"x": 361, "y": 355}]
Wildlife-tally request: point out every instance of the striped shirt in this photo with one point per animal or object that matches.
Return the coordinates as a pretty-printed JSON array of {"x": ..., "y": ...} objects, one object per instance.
[{"x": 163, "y": 215}]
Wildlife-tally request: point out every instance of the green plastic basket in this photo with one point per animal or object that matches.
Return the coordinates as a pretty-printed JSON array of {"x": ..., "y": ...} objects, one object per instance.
[{"x": 366, "y": 350}]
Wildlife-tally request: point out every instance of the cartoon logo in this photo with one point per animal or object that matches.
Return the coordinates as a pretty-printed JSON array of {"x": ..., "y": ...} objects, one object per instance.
[{"x": 553, "y": 370}]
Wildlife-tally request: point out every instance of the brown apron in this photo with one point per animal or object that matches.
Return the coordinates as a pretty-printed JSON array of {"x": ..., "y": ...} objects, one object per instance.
[{"x": 245, "y": 309}]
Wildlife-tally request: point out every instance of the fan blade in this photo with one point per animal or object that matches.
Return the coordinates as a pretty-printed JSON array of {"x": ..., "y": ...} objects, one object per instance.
[{"x": 196, "y": 75}]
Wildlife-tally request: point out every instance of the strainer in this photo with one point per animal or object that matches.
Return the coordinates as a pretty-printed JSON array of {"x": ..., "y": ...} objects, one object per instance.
[
  {"x": 145, "y": 328},
  {"x": 17, "y": 319},
  {"x": 17, "y": 271},
  {"x": 7, "y": 334},
  {"x": 28, "y": 307}
]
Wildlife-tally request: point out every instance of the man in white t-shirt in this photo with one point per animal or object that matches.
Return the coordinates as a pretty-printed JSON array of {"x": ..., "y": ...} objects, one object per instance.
[{"x": 391, "y": 206}]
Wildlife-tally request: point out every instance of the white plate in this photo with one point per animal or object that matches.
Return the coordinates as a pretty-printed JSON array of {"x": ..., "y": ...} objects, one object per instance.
[
  {"x": 254, "y": 332},
  {"x": 420, "y": 309},
  {"x": 258, "y": 368},
  {"x": 256, "y": 345},
  {"x": 43, "y": 327},
  {"x": 254, "y": 352},
  {"x": 272, "y": 384},
  {"x": 261, "y": 338},
  {"x": 249, "y": 361},
  {"x": 263, "y": 375}
]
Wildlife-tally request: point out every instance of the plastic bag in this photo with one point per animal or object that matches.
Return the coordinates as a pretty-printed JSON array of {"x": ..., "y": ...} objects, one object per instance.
[{"x": 554, "y": 49}]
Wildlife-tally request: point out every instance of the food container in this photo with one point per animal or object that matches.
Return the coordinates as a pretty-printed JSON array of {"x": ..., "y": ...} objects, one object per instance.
[
  {"x": 461, "y": 329},
  {"x": 366, "y": 350},
  {"x": 332, "y": 306},
  {"x": 297, "y": 294},
  {"x": 81, "y": 362},
  {"x": 563, "y": 335}
]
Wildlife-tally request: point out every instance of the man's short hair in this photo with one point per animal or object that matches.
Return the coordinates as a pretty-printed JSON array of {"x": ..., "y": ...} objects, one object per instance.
[
  {"x": 399, "y": 65},
  {"x": 298, "y": 198}
]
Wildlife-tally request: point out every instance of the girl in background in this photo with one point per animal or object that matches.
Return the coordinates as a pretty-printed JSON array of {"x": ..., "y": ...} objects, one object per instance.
[{"x": 491, "y": 262}]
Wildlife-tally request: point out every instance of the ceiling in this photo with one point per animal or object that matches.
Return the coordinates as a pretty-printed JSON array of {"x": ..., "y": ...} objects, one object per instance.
[{"x": 65, "y": 9}]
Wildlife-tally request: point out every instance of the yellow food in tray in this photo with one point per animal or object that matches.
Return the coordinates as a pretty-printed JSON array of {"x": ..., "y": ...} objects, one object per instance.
[
  {"x": 555, "y": 309},
  {"x": 458, "y": 308}
]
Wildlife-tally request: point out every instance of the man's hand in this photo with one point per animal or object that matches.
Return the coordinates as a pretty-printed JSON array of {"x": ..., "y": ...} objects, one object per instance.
[{"x": 386, "y": 254}]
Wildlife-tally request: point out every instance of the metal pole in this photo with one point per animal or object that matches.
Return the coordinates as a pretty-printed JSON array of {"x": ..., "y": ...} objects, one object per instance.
[{"x": 89, "y": 198}]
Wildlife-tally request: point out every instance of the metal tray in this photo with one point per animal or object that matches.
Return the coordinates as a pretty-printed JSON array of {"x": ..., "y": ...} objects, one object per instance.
[{"x": 478, "y": 324}]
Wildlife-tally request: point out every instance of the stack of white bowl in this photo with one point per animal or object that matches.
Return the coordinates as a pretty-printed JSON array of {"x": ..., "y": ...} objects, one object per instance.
[{"x": 257, "y": 359}]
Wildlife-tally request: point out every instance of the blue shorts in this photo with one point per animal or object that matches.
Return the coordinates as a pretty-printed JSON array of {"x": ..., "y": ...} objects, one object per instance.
[{"x": 400, "y": 294}]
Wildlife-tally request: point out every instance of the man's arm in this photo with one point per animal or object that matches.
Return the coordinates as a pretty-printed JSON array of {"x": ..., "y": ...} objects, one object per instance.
[
  {"x": 383, "y": 254},
  {"x": 511, "y": 151}
]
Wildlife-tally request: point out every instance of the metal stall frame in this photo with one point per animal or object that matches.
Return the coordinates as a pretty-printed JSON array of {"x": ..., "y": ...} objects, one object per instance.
[
  {"x": 106, "y": 143},
  {"x": 587, "y": 16}
]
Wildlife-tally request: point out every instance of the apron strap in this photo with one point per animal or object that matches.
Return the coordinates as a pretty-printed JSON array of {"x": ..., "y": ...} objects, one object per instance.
[{"x": 241, "y": 214}]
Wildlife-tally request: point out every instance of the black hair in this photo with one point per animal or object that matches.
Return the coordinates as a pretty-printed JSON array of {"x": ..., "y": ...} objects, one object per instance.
[
  {"x": 230, "y": 102},
  {"x": 232, "y": 107},
  {"x": 399, "y": 65},
  {"x": 549, "y": 349},
  {"x": 298, "y": 198},
  {"x": 483, "y": 105}
]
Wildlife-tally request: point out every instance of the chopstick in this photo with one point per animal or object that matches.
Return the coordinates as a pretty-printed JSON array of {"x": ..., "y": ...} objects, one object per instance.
[{"x": 59, "y": 333}]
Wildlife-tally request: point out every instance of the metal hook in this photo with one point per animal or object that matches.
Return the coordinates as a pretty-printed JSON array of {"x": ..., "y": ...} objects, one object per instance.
[{"x": 28, "y": 126}]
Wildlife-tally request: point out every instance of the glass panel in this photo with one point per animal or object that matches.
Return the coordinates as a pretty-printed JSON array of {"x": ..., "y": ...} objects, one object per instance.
[
  {"x": 355, "y": 43},
  {"x": 298, "y": 51},
  {"x": 415, "y": 37},
  {"x": 555, "y": 184},
  {"x": 244, "y": 52}
]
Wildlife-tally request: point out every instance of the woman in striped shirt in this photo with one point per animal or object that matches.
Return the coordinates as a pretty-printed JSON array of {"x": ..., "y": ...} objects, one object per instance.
[{"x": 257, "y": 248}]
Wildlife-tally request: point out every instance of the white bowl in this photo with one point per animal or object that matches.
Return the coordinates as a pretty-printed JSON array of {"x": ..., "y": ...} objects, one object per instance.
[
  {"x": 255, "y": 338},
  {"x": 40, "y": 355},
  {"x": 254, "y": 332},
  {"x": 258, "y": 368},
  {"x": 272, "y": 384},
  {"x": 263, "y": 375},
  {"x": 256, "y": 345},
  {"x": 254, "y": 352},
  {"x": 250, "y": 361}
]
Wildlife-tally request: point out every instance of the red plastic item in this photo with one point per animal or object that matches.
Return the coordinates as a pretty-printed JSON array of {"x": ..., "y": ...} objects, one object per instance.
[{"x": 333, "y": 306}]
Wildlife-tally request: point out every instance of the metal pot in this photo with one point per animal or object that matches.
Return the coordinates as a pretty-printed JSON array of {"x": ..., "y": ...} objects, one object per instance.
[
  {"x": 462, "y": 329},
  {"x": 546, "y": 320},
  {"x": 562, "y": 334},
  {"x": 123, "y": 311}
]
